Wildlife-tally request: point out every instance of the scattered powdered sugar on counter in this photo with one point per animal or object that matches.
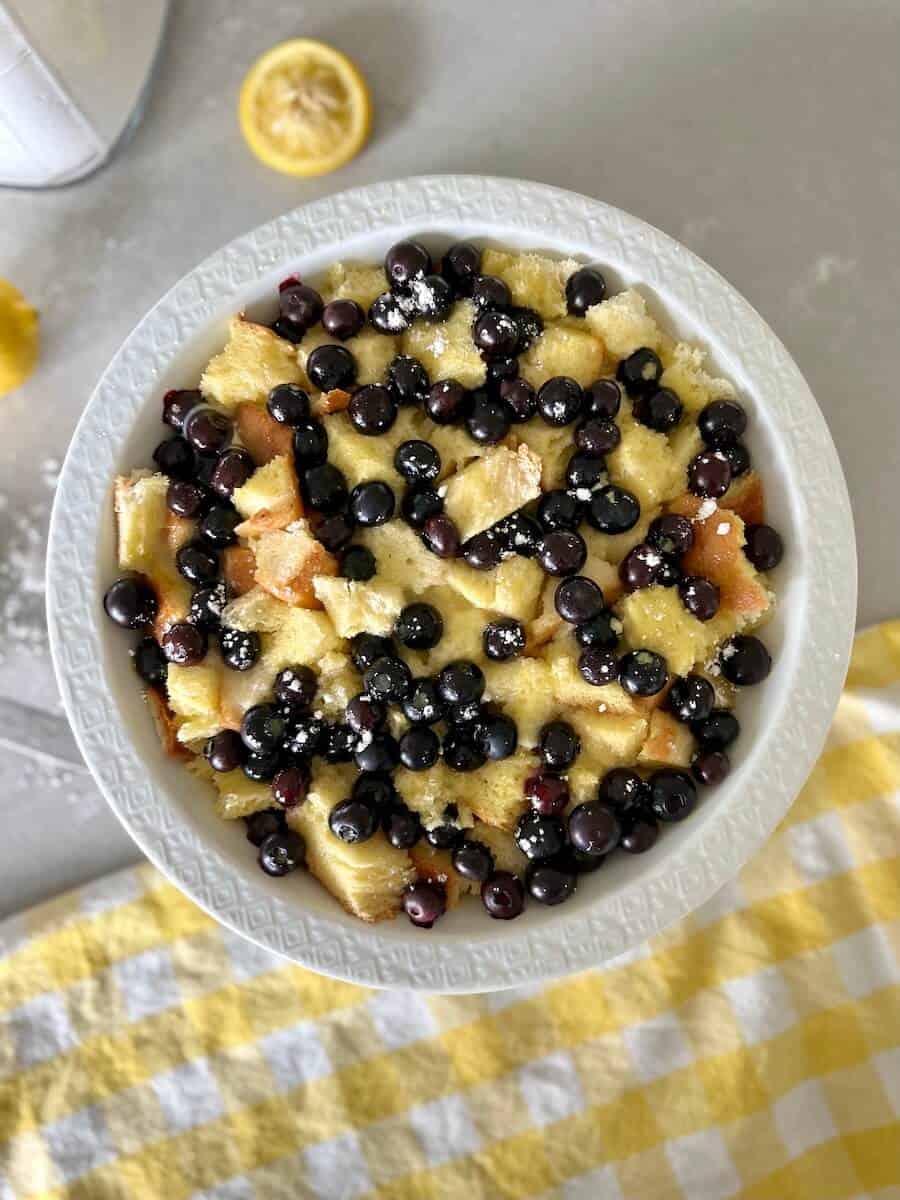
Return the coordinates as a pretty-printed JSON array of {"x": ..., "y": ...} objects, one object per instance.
[{"x": 23, "y": 545}]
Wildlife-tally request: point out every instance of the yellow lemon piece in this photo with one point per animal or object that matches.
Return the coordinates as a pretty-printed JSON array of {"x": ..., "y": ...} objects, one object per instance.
[
  {"x": 304, "y": 108},
  {"x": 19, "y": 338}
]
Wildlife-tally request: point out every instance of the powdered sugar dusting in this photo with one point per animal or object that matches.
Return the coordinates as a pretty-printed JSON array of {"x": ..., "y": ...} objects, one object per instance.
[{"x": 706, "y": 509}]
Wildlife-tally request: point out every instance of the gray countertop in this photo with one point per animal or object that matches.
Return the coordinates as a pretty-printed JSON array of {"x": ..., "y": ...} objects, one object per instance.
[{"x": 765, "y": 135}]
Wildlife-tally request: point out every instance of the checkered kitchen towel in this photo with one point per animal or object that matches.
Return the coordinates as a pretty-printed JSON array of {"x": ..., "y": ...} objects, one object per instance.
[{"x": 752, "y": 1052}]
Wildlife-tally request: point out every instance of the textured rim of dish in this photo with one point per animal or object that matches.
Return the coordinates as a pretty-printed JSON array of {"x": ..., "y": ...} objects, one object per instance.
[{"x": 779, "y": 761}]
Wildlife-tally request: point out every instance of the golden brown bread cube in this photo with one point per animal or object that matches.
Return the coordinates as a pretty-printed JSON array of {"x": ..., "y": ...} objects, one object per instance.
[
  {"x": 623, "y": 324},
  {"x": 339, "y": 682},
  {"x": 685, "y": 374},
  {"x": 523, "y": 687},
  {"x": 500, "y": 842},
  {"x": 263, "y": 436},
  {"x": 289, "y": 635},
  {"x": 669, "y": 742},
  {"x": 193, "y": 694},
  {"x": 372, "y": 352},
  {"x": 655, "y": 619},
  {"x": 643, "y": 463},
  {"x": 746, "y": 498},
  {"x": 436, "y": 866},
  {"x": 238, "y": 569},
  {"x": 552, "y": 445},
  {"x": 288, "y": 562},
  {"x": 534, "y": 281},
  {"x": 512, "y": 589},
  {"x": 492, "y": 487},
  {"x": 571, "y": 688},
  {"x": 463, "y": 629},
  {"x": 270, "y": 499},
  {"x": 401, "y": 557},
  {"x": 454, "y": 445},
  {"x": 237, "y": 796},
  {"x": 564, "y": 348},
  {"x": 166, "y": 724},
  {"x": 370, "y": 607},
  {"x": 612, "y": 547},
  {"x": 428, "y": 793},
  {"x": 144, "y": 544},
  {"x": 607, "y": 739},
  {"x": 497, "y": 795},
  {"x": 446, "y": 349},
  {"x": 348, "y": 281},
  {"x": 253, "y": 362},
  {"x": 360, "y": 457}
]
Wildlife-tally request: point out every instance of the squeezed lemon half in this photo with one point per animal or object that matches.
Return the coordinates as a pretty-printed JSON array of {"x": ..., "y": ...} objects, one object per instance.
[
  {"x": 304, "y": 108},
  {"x": 19, "y": 338}
]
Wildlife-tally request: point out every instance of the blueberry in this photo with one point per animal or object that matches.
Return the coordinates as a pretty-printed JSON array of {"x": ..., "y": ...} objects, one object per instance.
[
  {"x": 376, "y": 789},
  {"x": 288, "y": 404},
  {"x": 389, "y": 315},
  {"x": 288, "y": 330},
  {"x": 601, "y": 631},
  {"x": 539, "y": 836},
  {"x": 218, "y": 525},
  {"x": 530, "y": 324},
  {"x": 673, "y": 795},
  {"x": 330, "y": 367},
  {"x": 496, "y": 334},
  {"x": 498, "y": 737},
  {"x": 419, "y": 626},
  {"x": 240, "y": 648},
  {"x": 310, "y": 444},
  {"x": 261, "y": 824},
  {"x": 709, "y": 474},
  {"x": 387, "y": 679},
  {"x": 304, "y": 735},
  {"x": 518, "y": 534},
  {"x": 642, "y": 673},
  {"x": 473, "y": 860},
  {"x": 460, "y": 266},
  {"x": 717, "y": 730},
  {"x": 406, "y": 262},
  {"x": 408, "y": 380},
  {"x": 417, "y": 462},
  {"x": 561, "y": 552},
  {"x": 149, "y": 662},
  {"x": 558, "y": 509},
  {"x": 335, "y": 531},
  {"x": 660, "y": 410},
  {"x": 488, "y": 420},
  {"x": 433, "y": 298},
  {"x": 296, "y": 685},
  {"x": 738, "y": 458},
  {"x": 598, "y": 667},
  {"x": 585, "y": 471},
  {"x": 262, "y": 728},
  {"x": 184, "y": 644},
  {"x": 424, "y": 903},
  {"x": 640, "y": 567},
  {"x": 198, "y": 563},
  {"x": 282, "y": 852},
  {"x": 503, "y": 638},
  {"x": 232, "y": 471},
  {"x": 372, "y": 503},
  {"x": 175, "y": 458},
  {"x": 419, "y": 503},
  {"x": 622, "y": 789},
  {"x": 402, "y": 828},
  {"x": 578, "y": 599},
  {"x": 483, "y": 551},
  {"x": 365, "y": 715},
  {"x": 339, "y": 744},
  {"x": 547, "y": 793},
  {"x": 225, "y": 751},
  {"x": 343, "y": 319},
  {"x": 520, "y": 399},
  {"x": 420, "y": 748},
  {"x": 489, "y": 292},
  {"x": 613, "y": 510},
  {"x": 358, "y": 563},
  {"x": 353, "y": 821},
  {"x": 640, "y": 372},
  {"x": 262, "y": 768},
  {"x": 602, "y": 399},
  {"x": 299, "y": 304},
  {"x": 550, "y": 883},
  {"x": 372, "y": 410},
  {"x": 745, "y": 660},
  {"x": 593, "y": 828},
  {"x": 131, "y": 602},
  {"x": 584, "y": 288},
  {"x": 597, "y": 437},
  {"x": 691, "y": 698},
  {"x": 207, "y": 429},
  {"x": 380, "y": 754},
  {"x": 558, "y": 745},
  {"x": 461, "y": 751},
  {"x": 424, "y": 705},
  {"x": 639, "y": 833},
  {"x": 503, "y": 896},
  {"x": 289, "y": 787},
  {"x": 671, "y": 534},
  {"x": 669, "y": 573},
  {"x": 710, "y": 767},
  {"x": 441, "y": 536},
  {"x": 722, "y": 422},
  {"x": 446, "y": 402},
  {"x": 764, "y": 547},
  {"x": 186, "y": 499},
  {"x": 461, "y": 682},
  {"x": 325, "y": 488},
  {"x": 699, "y": 596},
  {"x": 177, "y": 403},
  {"x": 560, "y": 401},
  {"x": 366, "y": 648}
]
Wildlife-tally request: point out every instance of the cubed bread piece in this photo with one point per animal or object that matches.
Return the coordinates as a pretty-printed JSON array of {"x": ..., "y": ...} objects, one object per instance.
[
  {"x": 489, "y": 489},
  {"x": 684, "y": 374},
  {"x": 554, "y": 447},
  {"x": 446, "y": 349},
  {"x": 463, "y": 629},
  {"x": 194, "y": 697},
  {"x": 669, "y": 743},
  {"x": 513, "y": 588},
  {"x": 454, "y": 445},
  {"x": 497, "y": 794},
  {"x": 746, "y": 498},
  {"x": 339, "y": 681},
  {"x": 239, "y": 569},
  {"x": 238, "y": 796},
  {"x": 583, "y": 784},
  {"x": 655, "y": 619},
  {"x": 270, "y": 499},
  {"x": 642, "y": 463},
  {"x": 289, "y": 635},
  {"x": 243, "y": 689},
  {"x": 718, "y": 554},
  {"x": 143, "y": 542},
  {"x": 367, "y": 878},
  {"x": 346, "y": 281},
  {"x": 623, "y": 324},
  {"x": 167, "y": 725},
  {"x": 428, "y": 793},
  {"x": 564, "y": 348},
  {"x": 612, "y": 547},
  {"x": 257, "y": 611},
  {"x": 533, "y": 280},
  {"x": 401, "y": 557},
  {"x": 570, "y": 686},
  {"x": 263, "y": 436},
  {"x": 372, "y": 352},
  {"x": 523, "y": 687},
  {"x": 288, "y": 561},
  {"x": 253, "y": 362},
  {"x": 335, "y": 401},
  {"x": 607, "y": 739},
  {"x": 178, "y": 531},
  {"x": 370, "y": 607},
  {"x": 361, "y": 458},
  {"x": 507, "y": 855},
  {"x": 685, "y": 443},
  {"x": 436, "y": 866}
]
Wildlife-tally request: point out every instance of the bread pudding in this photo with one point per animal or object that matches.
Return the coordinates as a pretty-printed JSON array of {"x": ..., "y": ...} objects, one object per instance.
[{"x": 446, "y": 580}]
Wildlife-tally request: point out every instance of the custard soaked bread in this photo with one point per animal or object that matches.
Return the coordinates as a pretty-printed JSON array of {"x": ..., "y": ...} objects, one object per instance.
[{"x": 446, "y": 580}]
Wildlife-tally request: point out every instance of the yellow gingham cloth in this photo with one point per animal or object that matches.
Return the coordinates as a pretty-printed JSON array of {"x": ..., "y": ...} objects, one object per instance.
[{"x": 752, "y": 1052}]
